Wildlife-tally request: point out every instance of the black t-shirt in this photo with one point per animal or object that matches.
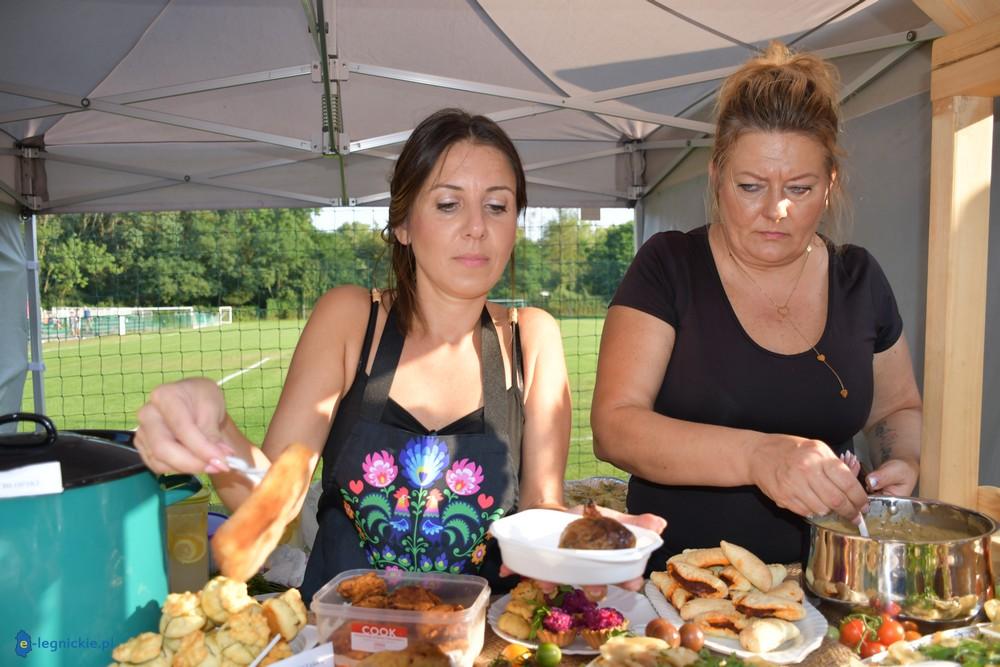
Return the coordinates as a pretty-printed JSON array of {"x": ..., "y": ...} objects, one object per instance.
[{"x": 718, "y": 375}]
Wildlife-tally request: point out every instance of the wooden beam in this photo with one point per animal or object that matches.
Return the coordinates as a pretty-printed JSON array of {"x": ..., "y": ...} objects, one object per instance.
[
  {"x": 967, "y": 62},
  {"x": 989, "y": 502},
  {"x": 961, "y": 146},
  {"x": 966, "y": 43},
  {"x": 952, "y": 15},
  {"x": 977, "y": 76}
]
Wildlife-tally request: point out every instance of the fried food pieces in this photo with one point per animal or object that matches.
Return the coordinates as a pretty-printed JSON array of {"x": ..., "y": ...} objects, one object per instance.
[
  {"x": 286, "y": 614},
  {"x": 369, "y": 590},
  {"x": 595, "y": 531},
  {"x": 219, "y": 626},
  {"x": 248, "y": 537},
  {"x": 356, "y": 589},
  {"x": 222, "y": 597},
  {"x": 144, "y": 649},
  {"x": 417, "y": 654},
  {"x": 181, "y": 615}
]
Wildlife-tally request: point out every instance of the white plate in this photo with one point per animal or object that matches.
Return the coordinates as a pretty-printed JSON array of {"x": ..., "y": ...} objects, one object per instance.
[
  {"x": 969, "y": 631},
  {"x": 633, "y": 606},
  {"x": 529, "y": 544},
  {"x": 812, "y": 629}
]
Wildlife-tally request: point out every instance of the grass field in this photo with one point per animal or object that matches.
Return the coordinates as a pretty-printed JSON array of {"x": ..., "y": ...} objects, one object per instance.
[{"x": 100, "y": 382}]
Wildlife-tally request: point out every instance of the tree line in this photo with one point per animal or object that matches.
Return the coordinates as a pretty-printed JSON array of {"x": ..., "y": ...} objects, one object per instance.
[{"x": 275, "y": 262}]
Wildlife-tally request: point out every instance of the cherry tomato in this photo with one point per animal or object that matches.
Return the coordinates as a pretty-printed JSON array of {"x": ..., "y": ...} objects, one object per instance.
[
  {"x": 868, "y": 649},
  {"x": 548, "y": 655},
  {"x": 910, "y": 635},
  {"x": 692, "y": 637},
  {"x": 891, "y": 632},
  {"x": 891, "y": 608},
  {"x": 852, "y": 631},
  {"x": 910, "y": 625}
]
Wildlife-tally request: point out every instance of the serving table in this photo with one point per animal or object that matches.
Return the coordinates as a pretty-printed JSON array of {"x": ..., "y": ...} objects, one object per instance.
[{"x": 829, "y": 653}]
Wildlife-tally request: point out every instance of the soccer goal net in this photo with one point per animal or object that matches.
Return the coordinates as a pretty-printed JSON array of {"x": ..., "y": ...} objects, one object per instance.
[{"x": 66, "y": 323}]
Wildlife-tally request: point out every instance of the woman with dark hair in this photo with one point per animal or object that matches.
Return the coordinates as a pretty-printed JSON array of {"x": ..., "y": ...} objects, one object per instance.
[
  {"x": 738, "y": 360},
  {"x": 435, "y": 411}
]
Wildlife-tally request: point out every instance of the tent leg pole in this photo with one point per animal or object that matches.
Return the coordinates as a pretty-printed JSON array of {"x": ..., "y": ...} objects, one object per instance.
[
  {"x": 36, "y": 364},
  {"x": 639, "y": 226}
]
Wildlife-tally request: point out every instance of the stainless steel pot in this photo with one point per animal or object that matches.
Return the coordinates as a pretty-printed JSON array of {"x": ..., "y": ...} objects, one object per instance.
[{"x": 930, "y": 558}]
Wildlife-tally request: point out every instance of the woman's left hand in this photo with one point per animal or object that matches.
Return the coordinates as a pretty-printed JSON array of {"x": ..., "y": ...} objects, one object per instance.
[
  {"x": 895, "y": 477},
  {"x": 652, "y": 522}
]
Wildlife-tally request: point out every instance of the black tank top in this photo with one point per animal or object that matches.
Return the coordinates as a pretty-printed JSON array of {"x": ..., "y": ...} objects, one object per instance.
[
  {"x": 718, "y": 375},
  {"x": 396, "y": 495}
]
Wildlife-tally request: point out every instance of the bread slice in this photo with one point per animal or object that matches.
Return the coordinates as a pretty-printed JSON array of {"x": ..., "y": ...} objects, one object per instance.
[{"x": 245, "y": 540}]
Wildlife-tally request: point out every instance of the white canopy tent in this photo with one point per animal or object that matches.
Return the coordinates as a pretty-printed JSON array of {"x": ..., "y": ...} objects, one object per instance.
[{"x": 205, "y": 104}]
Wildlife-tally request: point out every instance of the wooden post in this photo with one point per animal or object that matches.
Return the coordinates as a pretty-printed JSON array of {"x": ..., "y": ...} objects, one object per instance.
[{"x": 961, "y": 147}]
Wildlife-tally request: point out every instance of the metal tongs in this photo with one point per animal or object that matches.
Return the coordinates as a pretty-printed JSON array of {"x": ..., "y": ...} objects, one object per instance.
[
  {"x": 255, "y": 475},
  {"x": 852, "y": 462}
]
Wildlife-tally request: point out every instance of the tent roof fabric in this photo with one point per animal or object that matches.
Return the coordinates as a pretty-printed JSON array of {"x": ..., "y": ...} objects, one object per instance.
[{"x": 193, "y": 104}]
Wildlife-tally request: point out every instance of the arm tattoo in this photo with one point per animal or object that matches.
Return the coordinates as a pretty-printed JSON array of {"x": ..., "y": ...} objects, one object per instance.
[{"x": 884, "y": 437}]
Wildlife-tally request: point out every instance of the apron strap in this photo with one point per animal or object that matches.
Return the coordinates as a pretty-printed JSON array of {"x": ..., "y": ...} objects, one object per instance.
[
  {"x": 494, "y": 379},
  {"x": 366, "y": 345},
  {"x": 387, "y": 356},
  {"x": 390, "y": 347}
]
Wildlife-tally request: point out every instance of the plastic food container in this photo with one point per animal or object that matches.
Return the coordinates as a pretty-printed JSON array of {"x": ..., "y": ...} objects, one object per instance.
[
  {"x": 357, "y": 632},
  {"x": 529, "y": 543}
]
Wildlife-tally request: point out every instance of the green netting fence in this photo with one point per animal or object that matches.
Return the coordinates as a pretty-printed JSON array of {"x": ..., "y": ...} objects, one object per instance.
[{"x": 136, "y": 299}]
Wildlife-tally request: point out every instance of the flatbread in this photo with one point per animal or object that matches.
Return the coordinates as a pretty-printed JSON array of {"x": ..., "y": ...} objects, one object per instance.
[
  {"x": 245, "y": 540},
  {"x": 720, "y": 625},
  {"x": 762, "y": 635},
  {"x": 749, "y": 565},
  {"x": 699, "y": 606},
  {"x": 788, "y": 589},
  {"x": 697, "y": 581},
  {"x": 763, "y": 605},
  {"x": 705, "y": 558}
]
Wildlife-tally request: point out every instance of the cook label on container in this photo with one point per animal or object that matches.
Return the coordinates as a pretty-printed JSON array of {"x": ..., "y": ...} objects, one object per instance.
[
  {"x": 374, "y": 637},
  {"x": 39, "y": 479}
]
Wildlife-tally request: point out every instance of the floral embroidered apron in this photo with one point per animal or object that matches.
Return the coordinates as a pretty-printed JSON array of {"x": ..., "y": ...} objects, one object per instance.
[{"x": 397, "y": 499}]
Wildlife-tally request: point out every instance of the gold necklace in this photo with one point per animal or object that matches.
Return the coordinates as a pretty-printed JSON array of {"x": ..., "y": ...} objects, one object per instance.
[{"x": 783, "y": 311}]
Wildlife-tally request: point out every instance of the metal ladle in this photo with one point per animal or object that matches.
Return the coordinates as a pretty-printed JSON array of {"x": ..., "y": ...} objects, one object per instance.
[{"x": 852, "y": 462}]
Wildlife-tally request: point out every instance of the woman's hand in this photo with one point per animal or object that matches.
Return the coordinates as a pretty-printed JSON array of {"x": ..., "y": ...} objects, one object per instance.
[
  {"x": 181, "y": 428},
  {"x": 806, "y": 477},
  {"x": 895, "y": 477},
  {"x": 649, "y": 521}
]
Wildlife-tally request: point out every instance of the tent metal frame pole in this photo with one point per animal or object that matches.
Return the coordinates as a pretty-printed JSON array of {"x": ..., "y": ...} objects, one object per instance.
[
  {"x": 171, "y": 180},
  {"x": 668, "y": 144},
  {"x": 573, "y": 186},
  {"x": 917, "y": 36},
  {"x": 149, "y": 94},
  {"x": 856, "y": 84},
  {"x": 875, "y": 69},
  {"x": 607, "y": 108},
  {"x": 157, "y": 117},
  {"x": 11, "y": 192},
  {"x": 36, "y": 364}
]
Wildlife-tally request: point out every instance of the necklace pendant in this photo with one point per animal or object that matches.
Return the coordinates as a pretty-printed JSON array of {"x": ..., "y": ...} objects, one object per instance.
[
  {"x": 783, "y": 311},
  {"x": 821, "y": 357},
  {"x": 843, "y": 393}
]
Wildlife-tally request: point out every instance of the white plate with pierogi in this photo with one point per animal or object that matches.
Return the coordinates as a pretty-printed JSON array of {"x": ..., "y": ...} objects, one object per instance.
[{"x": 742, "y": 605}]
